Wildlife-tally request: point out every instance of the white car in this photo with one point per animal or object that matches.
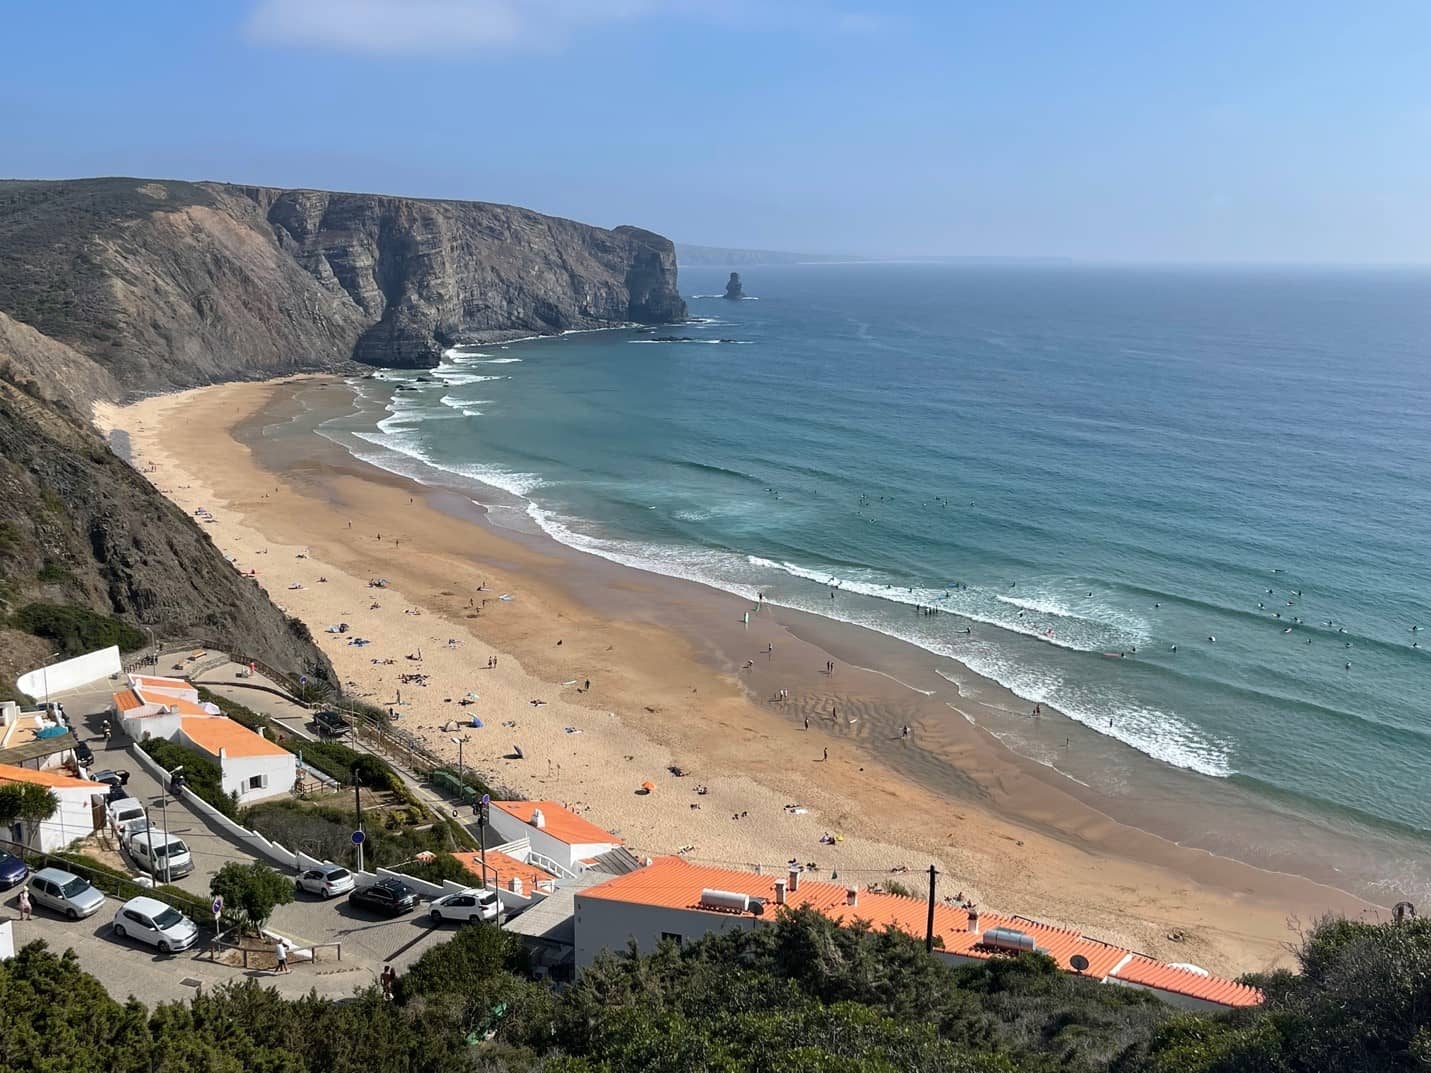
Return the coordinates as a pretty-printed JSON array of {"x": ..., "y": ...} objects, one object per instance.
[
  {"x": 126, "y": 815},
  {"x": 325, "y": 880},
  {"x": 465, "y": 906},
  {"x": 151, "y": 921}
]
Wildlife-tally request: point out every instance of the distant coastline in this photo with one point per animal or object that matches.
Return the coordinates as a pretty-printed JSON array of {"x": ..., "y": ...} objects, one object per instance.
[{"x": 690, "y": 255}]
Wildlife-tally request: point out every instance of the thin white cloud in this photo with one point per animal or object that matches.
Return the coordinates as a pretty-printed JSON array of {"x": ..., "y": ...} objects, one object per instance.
[
  {"x": 443, "y": 27},
  {"x": 431, "y": 26}
]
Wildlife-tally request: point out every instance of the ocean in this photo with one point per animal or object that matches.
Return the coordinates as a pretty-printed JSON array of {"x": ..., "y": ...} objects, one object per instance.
[{"x": 1188, "y": 508}]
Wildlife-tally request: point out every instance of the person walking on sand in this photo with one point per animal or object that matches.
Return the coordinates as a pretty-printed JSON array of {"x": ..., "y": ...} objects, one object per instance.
[
  {"x": 825, "y": 754},
  {"x": 807, "y": 722},
  {"x": 24, "y": 903},
  {"x": 280, "y": 953}
]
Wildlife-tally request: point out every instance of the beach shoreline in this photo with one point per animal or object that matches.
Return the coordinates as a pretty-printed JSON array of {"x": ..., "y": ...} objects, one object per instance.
[{"x": 668, "y": 689}]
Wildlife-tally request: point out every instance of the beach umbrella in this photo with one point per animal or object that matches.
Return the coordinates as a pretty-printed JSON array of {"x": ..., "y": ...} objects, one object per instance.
[{"x": 649, "y": 787}]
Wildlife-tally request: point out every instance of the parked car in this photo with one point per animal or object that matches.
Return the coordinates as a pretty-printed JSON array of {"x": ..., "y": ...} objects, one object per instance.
[
  {"x": 12, "y": 871},
  {"x": 124, "y": 815},
  {"x": 160, "y": 854},
  {"x": 333, "y": 724},
  {"x": 154, "y": 922},
  {"x": 111, "y": 776},
  {"x": 65, "y": 892},
  {"x": 115, "y": 792},
  {"x": 328, "y": 880},
  {"x": 84, "y": 754},
  {"x": 388, "y": 896},
  {"x": 465, "y": 906}
]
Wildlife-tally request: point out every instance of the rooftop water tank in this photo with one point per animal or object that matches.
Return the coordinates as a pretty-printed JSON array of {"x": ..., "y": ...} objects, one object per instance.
[
  {"x": 724, "y": 899},
  {"x": 1008, "y": 939}
]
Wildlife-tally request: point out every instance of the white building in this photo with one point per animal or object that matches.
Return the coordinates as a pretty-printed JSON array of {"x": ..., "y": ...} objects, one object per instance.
[
  {"x": 674, "y": 900},
  {"x": 549, "y": 835},
  {"x": 80, "y": 813},
  {"x": 251, "y": 766}
]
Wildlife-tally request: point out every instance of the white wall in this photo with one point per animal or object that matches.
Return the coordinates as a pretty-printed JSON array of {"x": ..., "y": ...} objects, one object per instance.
[
  {"x": 514, "y": 830},
  {"x": 602, "y": 924},
  {"x": 71, "y": 673},
  {"x": 236, "y": 772},
  {"x": 73, "y": 820},
  {"x": 155, "y": 726}
]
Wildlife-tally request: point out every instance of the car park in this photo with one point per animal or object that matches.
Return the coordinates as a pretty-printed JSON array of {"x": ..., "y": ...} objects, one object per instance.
[
  {"x": 12, "y": 871},
  {"x": 160, "y": 854},
  {"x": 467, "y": 906},
  {"x": 389, "y": 896},
  {"x": 157, "y": 923},
  {"x": 325, "y": 880},
  {"x": 65, "y": 893}
]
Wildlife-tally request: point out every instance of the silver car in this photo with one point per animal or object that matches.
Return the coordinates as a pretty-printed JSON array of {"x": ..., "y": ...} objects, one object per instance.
[
  {"x": 326, "y": 880},
  {"x": 65, "y": 892}
]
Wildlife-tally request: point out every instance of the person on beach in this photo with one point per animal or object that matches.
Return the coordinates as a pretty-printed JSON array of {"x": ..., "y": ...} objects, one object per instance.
[
  {"x": 825, "y": 754},
  {"x": 807, "y": 722}
]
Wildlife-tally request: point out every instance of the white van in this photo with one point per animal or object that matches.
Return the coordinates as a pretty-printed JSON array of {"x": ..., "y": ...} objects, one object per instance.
[{"x": 161, "y": 855}]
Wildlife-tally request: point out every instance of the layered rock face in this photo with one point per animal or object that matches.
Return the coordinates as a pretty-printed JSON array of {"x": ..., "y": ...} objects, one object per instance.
[{"x": 172, "y": 284}]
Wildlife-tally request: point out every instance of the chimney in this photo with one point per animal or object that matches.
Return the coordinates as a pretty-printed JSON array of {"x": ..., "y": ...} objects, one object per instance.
[
  {"x": 794, "y": 880},
  {"x": 538, "y": 820},
  {"x": 515, "y": 884},
  {"x": 852, "y": 895},
  {"x": 974, "y": 921},
  {"x": 780, "y": 892}
]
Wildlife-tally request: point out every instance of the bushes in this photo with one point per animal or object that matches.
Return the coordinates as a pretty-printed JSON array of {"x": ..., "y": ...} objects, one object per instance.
[
  {"x": 325, "y": 832},
  {"x": 76, "y": 630},
  {"x": 201, "y": 775}
]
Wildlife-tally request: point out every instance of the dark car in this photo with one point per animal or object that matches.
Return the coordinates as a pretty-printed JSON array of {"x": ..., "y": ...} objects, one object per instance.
[
  {"x": 111, "y": 777},
  {"x": 84, "y": 754},
  {"x": 13, "y": 871},
  {"x": 386, "y": 896},
  {"x": 116, "y": 792},
  {"x": 332, "y": 724}
]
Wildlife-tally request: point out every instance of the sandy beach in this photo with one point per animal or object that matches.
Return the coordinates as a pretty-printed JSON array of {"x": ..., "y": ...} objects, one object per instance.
[{"x": 607, "y": 678}]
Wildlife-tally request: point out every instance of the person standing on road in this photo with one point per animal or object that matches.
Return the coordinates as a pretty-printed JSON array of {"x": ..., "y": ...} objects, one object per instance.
[
  {"x": 24, "y": 901},
  {"x": 280, "y": 951},
  {"x": 388, "y": 979}
]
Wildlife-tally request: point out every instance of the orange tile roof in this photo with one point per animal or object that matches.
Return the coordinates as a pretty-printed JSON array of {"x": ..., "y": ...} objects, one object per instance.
[
  {"x": 183, "y": 707},
  {"x": 11, "y": 773},
  {"x": 674, "y": 883},
  {"x": 1149, "y": 973},
  {"x": 561, "y": 823},
  {"x": 126, "y": 700},
  {"x": 151, "y": 681},
  {"x": 213, "y": 733},
  {"x": 501, "y": 867}
]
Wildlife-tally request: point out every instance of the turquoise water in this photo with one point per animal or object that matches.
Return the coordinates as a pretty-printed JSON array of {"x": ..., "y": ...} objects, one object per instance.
[{"x": 1071, "y": 462}]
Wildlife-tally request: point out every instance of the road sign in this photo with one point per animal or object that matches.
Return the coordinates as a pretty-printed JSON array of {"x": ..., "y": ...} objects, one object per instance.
[
  {"x": 486, "y": 799},
  {"x": 359, "y": 838},
  {"x": 218, "y": 906}
]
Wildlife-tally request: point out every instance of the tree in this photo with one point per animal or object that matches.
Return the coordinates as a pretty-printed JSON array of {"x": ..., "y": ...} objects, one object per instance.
[
  {"x": 251, "y": 891},
  {"x": 28, "y": 803}
]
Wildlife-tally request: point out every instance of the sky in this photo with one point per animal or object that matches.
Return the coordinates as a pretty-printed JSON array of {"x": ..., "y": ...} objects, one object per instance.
[{"x": 1106, "y": 130}]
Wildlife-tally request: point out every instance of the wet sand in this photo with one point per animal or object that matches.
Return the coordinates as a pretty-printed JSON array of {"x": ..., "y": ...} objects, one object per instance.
[{"x": 669, "y": 687}]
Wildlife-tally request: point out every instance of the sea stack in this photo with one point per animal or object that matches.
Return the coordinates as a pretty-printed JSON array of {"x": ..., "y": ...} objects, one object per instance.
[{"x": 732, "y": 288}]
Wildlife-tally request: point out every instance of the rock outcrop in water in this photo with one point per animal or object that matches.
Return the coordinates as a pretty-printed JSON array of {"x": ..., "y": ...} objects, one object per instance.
[
  {"x": 173, "y": 284},
  {"x": 732, "y": 287}
]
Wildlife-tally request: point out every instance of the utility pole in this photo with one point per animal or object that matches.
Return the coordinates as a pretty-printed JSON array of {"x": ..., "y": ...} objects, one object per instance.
[
  {"x": 462, "y": 792},
  {"x": 164, "y": 812},
  {"x": 929, "y": 925},
  {"x": 45, "y": 674},
  {"x": 358, "y": 811}
]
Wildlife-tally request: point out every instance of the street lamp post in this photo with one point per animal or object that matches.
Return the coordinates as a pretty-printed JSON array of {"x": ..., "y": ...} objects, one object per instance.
[
  {"x": 164, "y": 812},
  {"x": 461, "y": 793},
  {"x": 45, "y": 677}
]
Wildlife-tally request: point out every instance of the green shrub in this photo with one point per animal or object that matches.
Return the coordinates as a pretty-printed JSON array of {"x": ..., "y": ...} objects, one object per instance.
[
  {"x": 202, "y": 776},
  {"x": 76, "y": 630}
]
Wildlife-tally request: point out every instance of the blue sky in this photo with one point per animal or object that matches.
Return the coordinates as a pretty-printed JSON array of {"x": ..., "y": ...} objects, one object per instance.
[{"x": 1152, "y": 131}]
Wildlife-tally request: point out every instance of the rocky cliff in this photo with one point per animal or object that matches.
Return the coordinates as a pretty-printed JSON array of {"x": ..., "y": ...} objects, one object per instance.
[
  {"x": 173, "y": 284},
  {"x": 80, "y": 528}
]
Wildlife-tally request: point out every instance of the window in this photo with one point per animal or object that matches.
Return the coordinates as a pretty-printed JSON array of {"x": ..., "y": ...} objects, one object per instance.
[
  {"x": 674, "y": 936},
  {"x": 258, "y": 782}
]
